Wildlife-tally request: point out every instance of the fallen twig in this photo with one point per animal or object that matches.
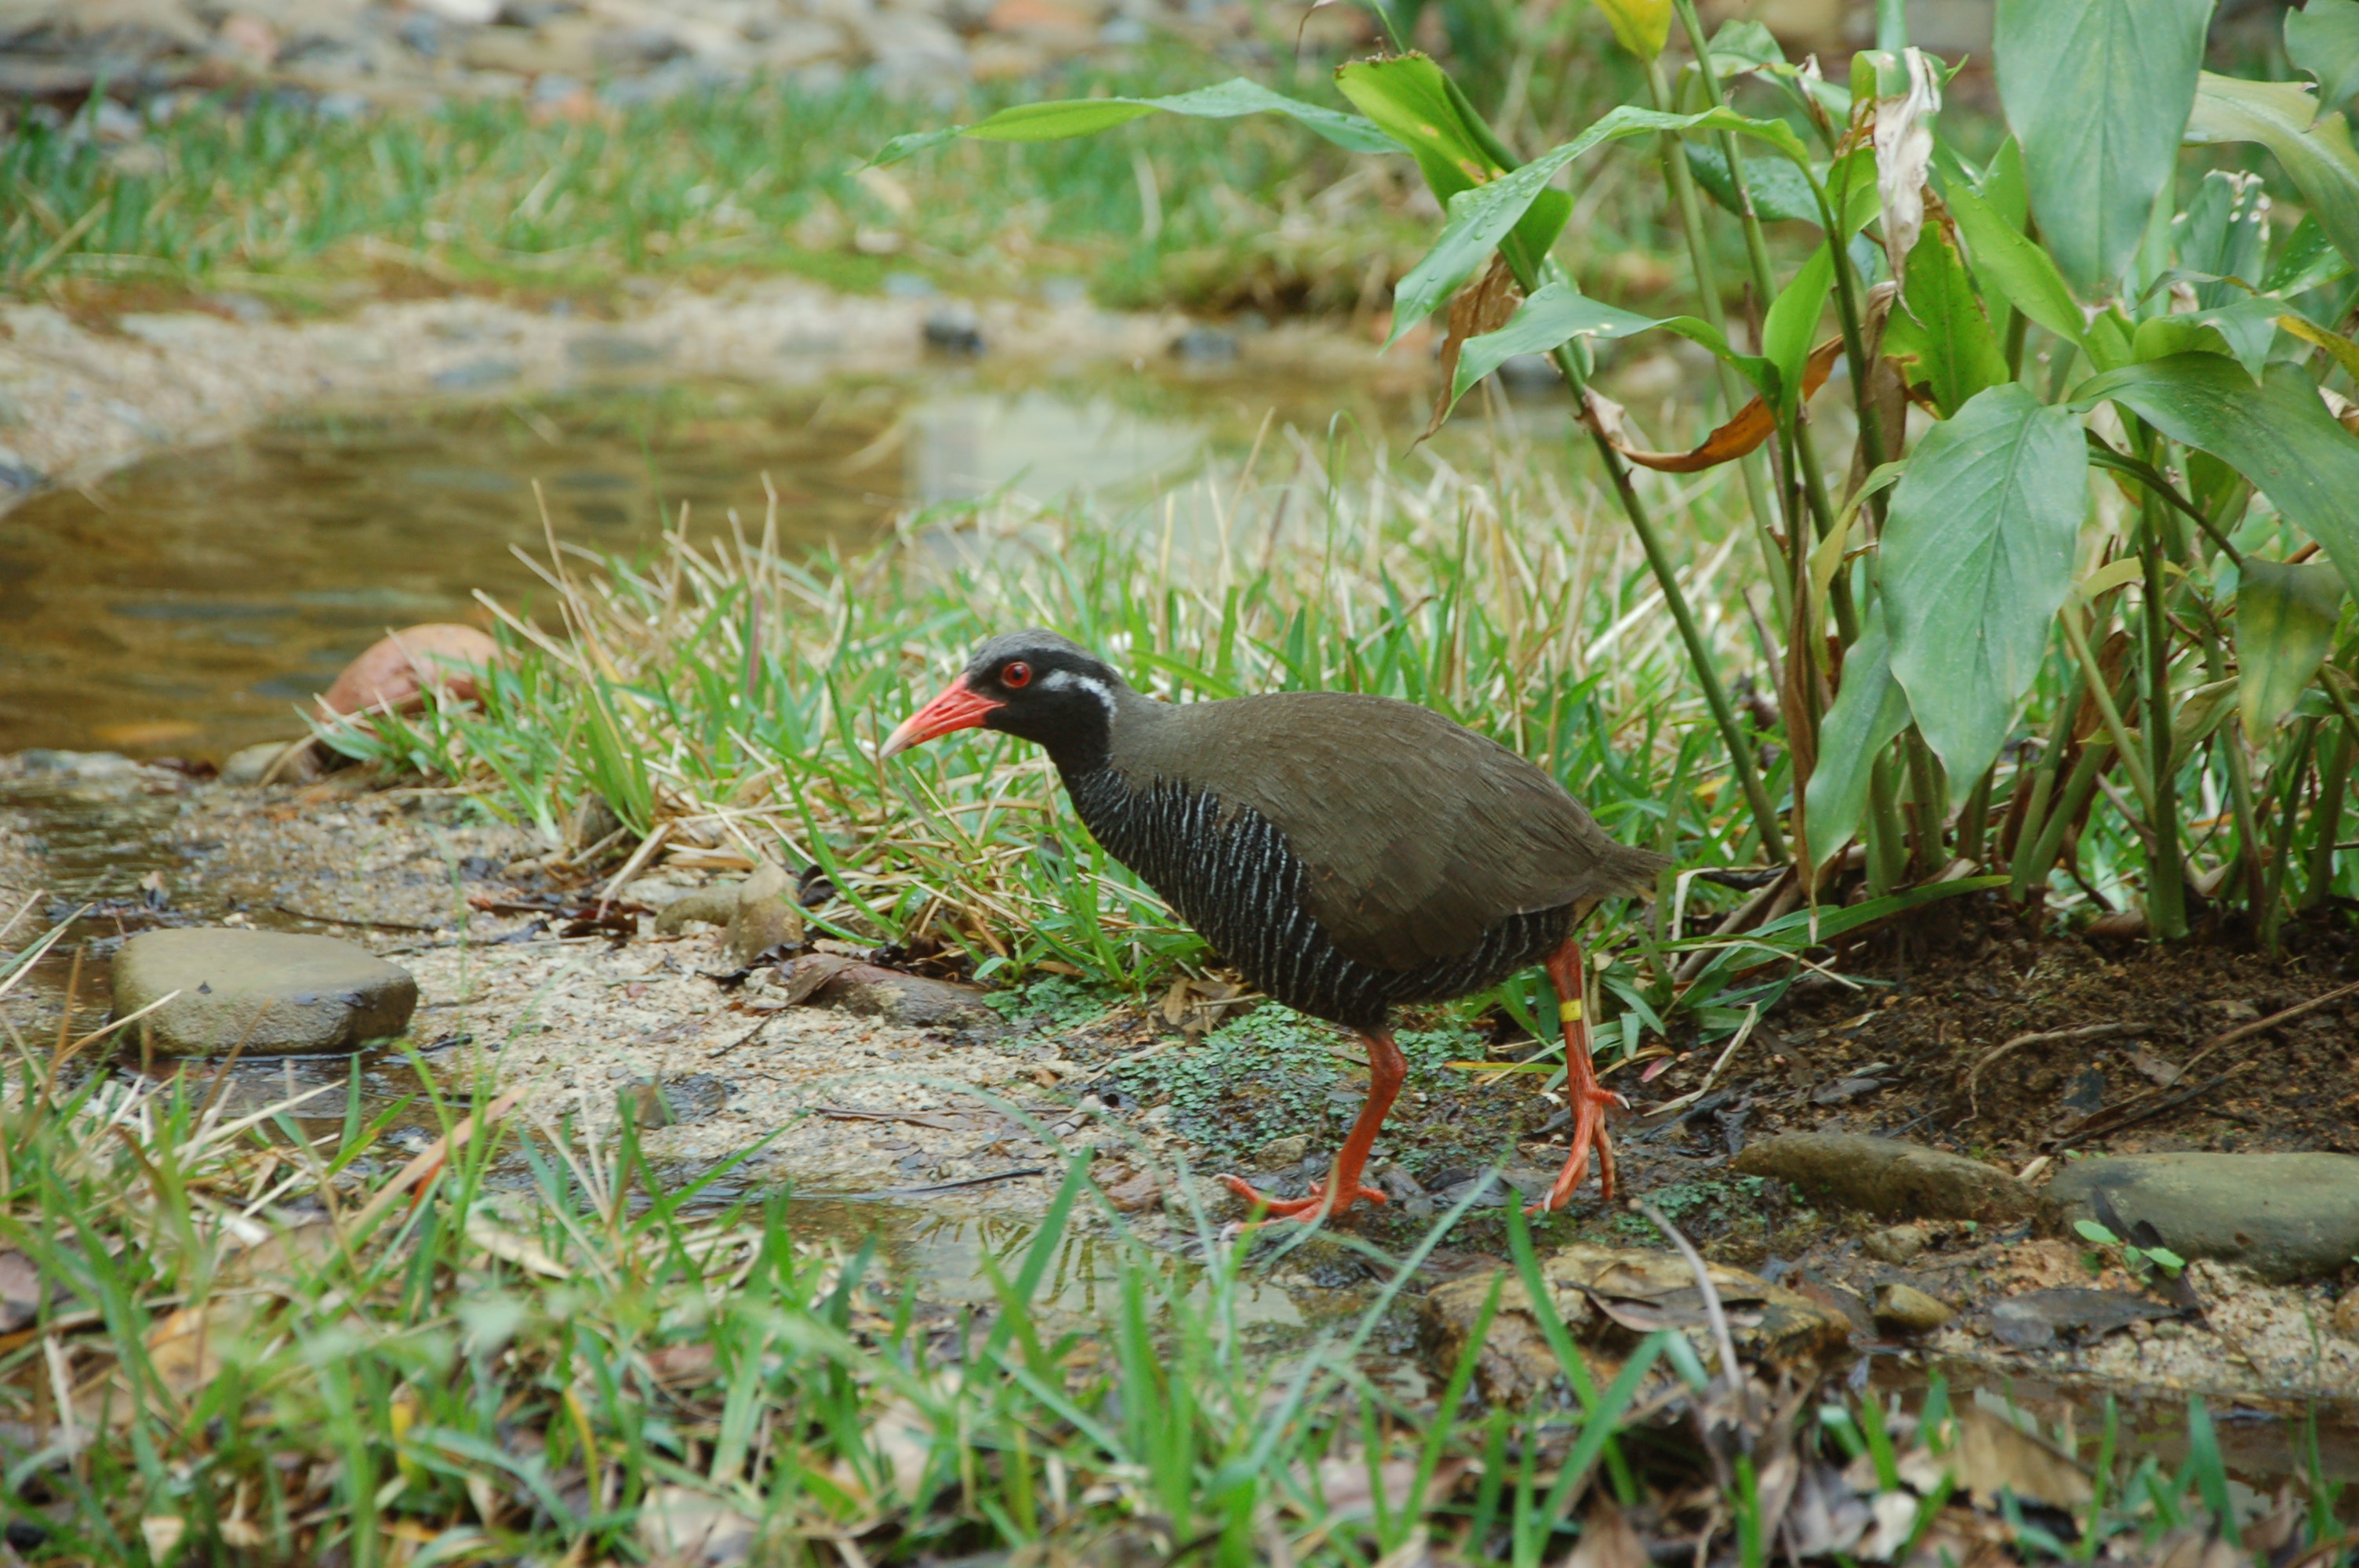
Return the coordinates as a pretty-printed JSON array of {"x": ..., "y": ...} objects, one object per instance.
[
  {"x": 2132, "y": 1112},
  {"x": 2050, "y": 1036},
  {"x": 915, "y": 1117},
  {"x": 937, "y": 1186}
]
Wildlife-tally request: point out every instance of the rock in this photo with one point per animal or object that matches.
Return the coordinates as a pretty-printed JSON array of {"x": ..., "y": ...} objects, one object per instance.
[
  {"x": 2035, "y": 1320},
  {"x": 768, "y": 916},
  {"x": 1905, "y": 1309},
  {"x": 1898, "y": 1245},
  {"x": 673, "y": 1101},
  {"x": 1609, "y": 1298},
  {"x": 281, "y": 994},
  {"x": 760, "y": 913},
  {"x": 2346, "y": 1316},
  {"x": 1889, "y": 1177},
  {"x": 714, "y": 905},
  {"x": 611, "y": 351},
  {"x": 2284, "y": 1216},
  {"x": 252, "y": 764},
  {"x": 1281, "y": 1153},
  {"x": 830, "y": 979},
  {"x": 953, "y": 330},
  {"x": 1204, "y": 345},
  {"x": 394, "y": 673},
  {"x": 475, "y": 375},
  {"x": 1129, "y": 1191}
]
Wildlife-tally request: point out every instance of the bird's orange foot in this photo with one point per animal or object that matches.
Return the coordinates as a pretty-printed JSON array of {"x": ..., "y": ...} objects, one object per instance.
[
  {"x": 1588, "y": 1127},
  {"x": 1314, "y": 1206}
]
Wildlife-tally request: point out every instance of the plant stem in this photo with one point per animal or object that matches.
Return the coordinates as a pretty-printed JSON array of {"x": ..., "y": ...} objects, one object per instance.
[
  {"x": 1732, "y": 391},
  {"x": 1886, "y": 868},
  {"x": 2165, "y": 895},
  {"x": 2078, "y": 788},
  {"x": 2132, "y": 763},
  {"x": 1932, "y": 803},
  {"x": 2295, "y": 772},
  {"x": 1975, "y": 820},
  {"x": 1739, "y": 748},
  {"x": 1892, "y": 24},
  {"x": 2034, "y": 821},
  {"x": 2326, "y": 817}
]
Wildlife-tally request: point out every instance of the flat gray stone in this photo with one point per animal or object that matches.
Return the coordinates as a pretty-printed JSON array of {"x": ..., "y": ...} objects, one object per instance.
[
  {"x": 282, "y": 995},
  {"x": 1890, "y": 1178},
  {"x": 2284, "y": 1216}
]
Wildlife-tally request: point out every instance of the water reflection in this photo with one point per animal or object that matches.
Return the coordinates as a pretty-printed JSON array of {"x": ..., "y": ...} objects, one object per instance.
[{"x": 184, "y": 605}]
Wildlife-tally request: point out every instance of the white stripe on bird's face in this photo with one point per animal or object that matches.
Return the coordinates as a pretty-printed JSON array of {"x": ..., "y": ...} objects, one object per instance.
[{"x": 1066, "y": 680}]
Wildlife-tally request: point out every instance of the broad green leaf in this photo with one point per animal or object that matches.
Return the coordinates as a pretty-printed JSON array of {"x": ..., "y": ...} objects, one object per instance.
[
  {"x": 2097, "y": 92},
  {"x": 2243, "y": 331},
  {"x": 1939, "y": 326},
  {"x": 2314, "y": 150},
  {"x": 1869, "y": 710},
  {"x": 1559, "y": 313},
  {"x": 2107, "y": 338},
  {"x": 1642, "y": 27},
  {"x": 2223, "y": 231},
  {"x": 1484, "y": 212},
  {"x": 1411, "y": 100},
  {"x": 2277, "y": 434},
  {"x": 2202, "y": 712},
  {"x": 1086, "y": 116},
  {"x": 2002, "y": 184},
  {"x": 2307, "y": 261},
  {"x": 1779, "y": 192},
  {"x": 1746, "y": 42},
  {"x": 1792, "y": 324},
  {"x": 2011, "y": 267},
  {"x": 2322, "y": 39},
  {"x": 2285, "y": 626},
  {"x": 1977, "y": 557}
]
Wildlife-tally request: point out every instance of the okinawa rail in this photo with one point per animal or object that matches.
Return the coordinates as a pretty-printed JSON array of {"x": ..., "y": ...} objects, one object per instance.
[{"x": 1348, "y": 854}]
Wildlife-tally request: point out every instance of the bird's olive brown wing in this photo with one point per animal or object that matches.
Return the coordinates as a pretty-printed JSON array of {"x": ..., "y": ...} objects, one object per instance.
[{"x": 1417, "y": 835}]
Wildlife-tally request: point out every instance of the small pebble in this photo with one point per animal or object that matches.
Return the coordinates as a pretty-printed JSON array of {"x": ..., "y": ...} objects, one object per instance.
[
  {"x": 2346, "y": 1316},
  {"x": 1280, "y": 1153},
  {"x": 1905, "y": 1309},
  {"x": 1897, "y": 1244}
]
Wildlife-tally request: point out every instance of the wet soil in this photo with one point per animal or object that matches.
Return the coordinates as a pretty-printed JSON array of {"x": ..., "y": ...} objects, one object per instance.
[{"x": 1900, "y": 1056}]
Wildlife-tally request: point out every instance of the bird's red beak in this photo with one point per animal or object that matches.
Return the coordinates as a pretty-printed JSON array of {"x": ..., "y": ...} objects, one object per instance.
[{"x": 960, "y": 707}]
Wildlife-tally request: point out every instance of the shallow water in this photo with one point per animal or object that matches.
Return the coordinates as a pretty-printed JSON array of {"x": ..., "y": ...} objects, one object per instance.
[{"x": 186, "y": 605}]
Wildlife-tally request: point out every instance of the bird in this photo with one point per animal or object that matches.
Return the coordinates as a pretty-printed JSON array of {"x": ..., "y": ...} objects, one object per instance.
[{"x": 1349, "y": 854}]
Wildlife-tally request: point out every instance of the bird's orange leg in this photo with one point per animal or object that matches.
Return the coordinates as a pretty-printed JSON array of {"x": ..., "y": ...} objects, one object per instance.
[
  {"x": 1567, "y": 970},
  {"x": 1386, "y": 1070}
]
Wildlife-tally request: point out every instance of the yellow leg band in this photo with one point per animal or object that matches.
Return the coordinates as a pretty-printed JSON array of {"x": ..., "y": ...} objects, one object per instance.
[{"x": 1570, "y": 1012}]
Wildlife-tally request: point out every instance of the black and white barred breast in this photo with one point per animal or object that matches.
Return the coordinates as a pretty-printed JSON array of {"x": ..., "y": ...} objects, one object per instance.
[{"x": 1233, "y": 875}]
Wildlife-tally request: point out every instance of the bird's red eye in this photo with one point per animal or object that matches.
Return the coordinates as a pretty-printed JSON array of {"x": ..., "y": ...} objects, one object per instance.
[{"x": 1015, "y": 674}]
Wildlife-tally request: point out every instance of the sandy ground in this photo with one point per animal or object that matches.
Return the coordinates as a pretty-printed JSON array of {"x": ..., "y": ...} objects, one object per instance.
[{"x": 837, "y": 1103}]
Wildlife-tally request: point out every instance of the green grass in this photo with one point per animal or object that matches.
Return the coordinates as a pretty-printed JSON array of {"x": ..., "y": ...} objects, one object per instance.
[
  {"x": 256, "y": 1346},
  {"x": 733, "y": 699},
  {"x": 254, "y": 193}
]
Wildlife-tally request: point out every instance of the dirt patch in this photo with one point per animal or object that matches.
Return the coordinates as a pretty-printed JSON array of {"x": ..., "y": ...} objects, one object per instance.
[{"x": 1898, "y": 1057}]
